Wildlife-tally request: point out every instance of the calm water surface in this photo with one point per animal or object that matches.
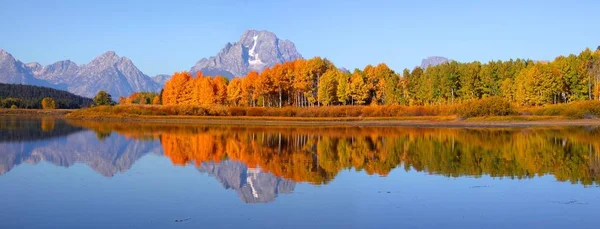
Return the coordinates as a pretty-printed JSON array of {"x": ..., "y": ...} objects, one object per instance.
[{"x": 59, "y": 174}]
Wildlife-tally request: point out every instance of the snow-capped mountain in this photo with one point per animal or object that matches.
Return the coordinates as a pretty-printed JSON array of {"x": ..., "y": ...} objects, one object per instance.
[{"x": 255, "y": 50}]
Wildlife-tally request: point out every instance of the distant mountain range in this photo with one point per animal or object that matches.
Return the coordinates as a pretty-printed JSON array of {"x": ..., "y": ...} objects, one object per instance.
[
  {"x": 116, "y": 75},
  {"x": 255, "y": 51},
  {"x": 15, "y": 72}
]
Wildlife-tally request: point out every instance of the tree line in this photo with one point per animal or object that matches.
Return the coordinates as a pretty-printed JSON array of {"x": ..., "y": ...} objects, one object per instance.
[
  {"x": 31, "y": 97},
  {"x": 318, "y": 82},
  {"x": 141, "y": 98}
]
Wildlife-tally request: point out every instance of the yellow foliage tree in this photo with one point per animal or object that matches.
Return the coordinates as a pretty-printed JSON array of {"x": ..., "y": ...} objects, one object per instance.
[
  {"x": 48, "y": 103},
  {"x": 234, "y": 92}
]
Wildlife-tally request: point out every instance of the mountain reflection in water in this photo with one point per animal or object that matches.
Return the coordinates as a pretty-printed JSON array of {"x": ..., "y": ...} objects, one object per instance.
[{"x": 261, "y": 162}]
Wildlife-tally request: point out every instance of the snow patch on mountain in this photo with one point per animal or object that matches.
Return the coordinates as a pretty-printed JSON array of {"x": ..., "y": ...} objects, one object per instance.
[{"x": 251, "y": 53}]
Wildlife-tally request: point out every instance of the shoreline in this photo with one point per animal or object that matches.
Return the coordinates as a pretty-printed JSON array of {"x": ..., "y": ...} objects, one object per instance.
[
  {"x": 406, "y": 121},
  {"x": 34, "y": 113},
  {"x": 418, "y": 121}
]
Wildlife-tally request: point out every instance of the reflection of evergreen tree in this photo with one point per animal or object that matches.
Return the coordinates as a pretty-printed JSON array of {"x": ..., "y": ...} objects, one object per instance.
[
  {"x": 317, "y": 155},
  {"x": 14, "y": 129}
]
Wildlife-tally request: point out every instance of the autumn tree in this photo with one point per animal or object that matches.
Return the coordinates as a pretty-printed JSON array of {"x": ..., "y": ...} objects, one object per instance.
[
  {"x": 282, "y": 79},
  {"x": 414, "y": 85},
  {"x": 219, "y": 84},
  {"x": 359, "y": 91},
  {"x": 265, "y": 87},
  {"x": 301, "y": 82},
  {"x": 48, "y": 103},
  {"x": 387, "y": 89},
  {"x": 204, "y": 91},
  {"x": 156, "y": 100},
  {"x": 249, "y": 91},
  {"x": 327, "y": 91},
  {"x": 343, "y": 87},
  {"x": 175, "y": 88},
  {"x": 234, "y": 91},
  {"x": 103, "y": 98}
]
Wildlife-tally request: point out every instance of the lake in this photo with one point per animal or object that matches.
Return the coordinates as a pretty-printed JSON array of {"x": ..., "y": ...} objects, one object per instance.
[{"x": 75, "y": 174}]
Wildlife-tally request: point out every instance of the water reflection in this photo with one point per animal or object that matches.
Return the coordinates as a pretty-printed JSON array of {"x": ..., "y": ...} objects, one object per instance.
[
  {"x": 260, "y": 163},
  {"x": 317, "y": 155},
  {"x": 251, "y": 184},
  {"x": 18, "y": 129}
]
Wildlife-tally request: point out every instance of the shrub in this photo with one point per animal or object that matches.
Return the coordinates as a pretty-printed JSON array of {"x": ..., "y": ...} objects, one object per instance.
[
  {"x": 583, "y": 109},
  {"x": 491, "y": 106},
  {"x": 236, "y": 111},
  {"x": 255, "y": 111}
]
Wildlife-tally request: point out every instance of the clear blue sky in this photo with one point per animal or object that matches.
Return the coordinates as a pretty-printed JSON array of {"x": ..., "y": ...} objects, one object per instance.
[{"x": 169, "y": 36}]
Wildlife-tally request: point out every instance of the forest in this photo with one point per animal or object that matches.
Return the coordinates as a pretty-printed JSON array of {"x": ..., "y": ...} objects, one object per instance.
[
  {"x": 318, "y": 82},
  {"x": 30, "y": 97}
]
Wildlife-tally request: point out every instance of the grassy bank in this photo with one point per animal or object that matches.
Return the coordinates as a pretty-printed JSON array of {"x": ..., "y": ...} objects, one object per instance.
[
  {"x": 480, "y": 112},
  {"x": 26, "y": 113},
  {"x": 489, "y": 107},
  {"x": 458, "y": 116},
  {"x": 484, "y": 107},
  {"x": 421, "y": 121}
]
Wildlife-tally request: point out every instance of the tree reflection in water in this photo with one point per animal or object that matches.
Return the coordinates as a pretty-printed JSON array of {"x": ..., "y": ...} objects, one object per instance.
[
  {"x": 317, "y": 155},
  {"x": 260, "y": 163}
]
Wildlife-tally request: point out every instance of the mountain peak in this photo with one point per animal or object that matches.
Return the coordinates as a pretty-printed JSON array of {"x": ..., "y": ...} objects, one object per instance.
[
  {"x": 253, "y": 32},
  {"x": 4, "y": 55},
  {"x": 125, "y": 60},
  {"x": 65, "y": 62},
  {"x": 106, "y": 59},
  {"x": 109, "y": 54},
  {"x": 116, "y": 75},
  {"x": 433, "y": 61},
  {"x": 255, "y": 51},
  {"x": 34, "y": 66}
]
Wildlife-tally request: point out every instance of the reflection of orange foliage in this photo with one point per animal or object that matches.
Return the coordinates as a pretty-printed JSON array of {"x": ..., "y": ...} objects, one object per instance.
[
  {"x": 47, "y": 124},
  {"x": 318, "y": 158},
  {"x": 316, "y": 155},
  {"x": 198, "y": 148}
]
